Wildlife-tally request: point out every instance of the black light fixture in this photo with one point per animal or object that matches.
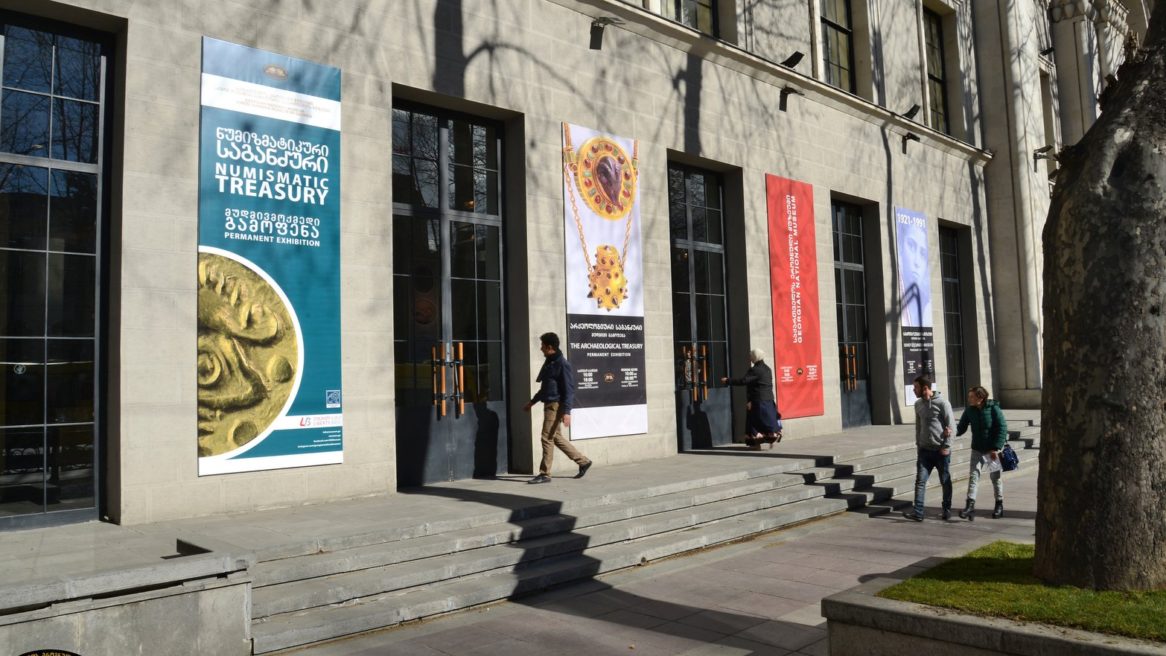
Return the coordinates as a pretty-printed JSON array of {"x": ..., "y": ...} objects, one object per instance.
[
  {"x": 786, "y": 92},
  {"x": 792, "y": 60},
  {"x": 910, "y": 113},
  {"x": 1044, "y": 152},
  {"x": 910, "y": 136},
  {"x": 1047, "y": 51},
  {"x": 597, "y": 26}
]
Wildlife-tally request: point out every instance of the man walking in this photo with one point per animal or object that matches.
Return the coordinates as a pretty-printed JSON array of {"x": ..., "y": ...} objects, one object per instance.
[
  {"x": 557, "y": 393},
  {"x": 933, "y": 420}
]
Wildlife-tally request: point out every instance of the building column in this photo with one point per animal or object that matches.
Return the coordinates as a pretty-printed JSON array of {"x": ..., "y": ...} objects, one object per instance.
[{"x": 1078, "y": 73}]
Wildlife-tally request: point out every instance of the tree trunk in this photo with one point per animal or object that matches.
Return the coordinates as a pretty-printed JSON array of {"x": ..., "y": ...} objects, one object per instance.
[{"x": 1102, "y": 491}]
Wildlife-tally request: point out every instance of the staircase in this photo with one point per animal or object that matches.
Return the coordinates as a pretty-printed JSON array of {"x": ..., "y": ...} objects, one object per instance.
[
  {"x": 1024, "y": 433},
  {"x": 361, "y": 583}
]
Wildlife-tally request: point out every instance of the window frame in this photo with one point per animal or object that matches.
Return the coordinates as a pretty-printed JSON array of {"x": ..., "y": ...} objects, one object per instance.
[
  {"x": 92, "y": 505},
  {"x": 831, "y": 27},
  {"x": 939, "y": 111}
]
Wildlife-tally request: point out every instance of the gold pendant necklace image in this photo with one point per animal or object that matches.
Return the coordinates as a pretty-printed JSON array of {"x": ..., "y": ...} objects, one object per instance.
[{"x": 603, "y": 175}]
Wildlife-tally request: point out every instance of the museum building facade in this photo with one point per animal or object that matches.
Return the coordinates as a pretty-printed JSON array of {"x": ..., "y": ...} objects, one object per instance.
[{"x": 264, "y": 253}]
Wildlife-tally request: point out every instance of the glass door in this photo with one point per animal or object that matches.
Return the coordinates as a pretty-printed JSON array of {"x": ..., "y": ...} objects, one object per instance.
[
  {"x": 447, "y": 295},
  {"x": 704, "y": 413},
  {"x": 850, "y": 303}
]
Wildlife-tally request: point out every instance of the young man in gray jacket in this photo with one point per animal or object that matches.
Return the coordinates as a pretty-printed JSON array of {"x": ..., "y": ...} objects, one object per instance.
[{"x": 933, "y": 421}]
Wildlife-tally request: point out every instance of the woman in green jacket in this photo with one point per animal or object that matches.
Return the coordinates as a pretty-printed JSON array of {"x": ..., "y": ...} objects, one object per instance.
[{"x": 989, "y": 433}]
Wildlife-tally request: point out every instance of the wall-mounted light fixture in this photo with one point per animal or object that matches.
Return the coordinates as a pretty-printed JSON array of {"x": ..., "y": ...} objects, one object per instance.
[
  {"x": 597, "y": 26},
  {"x": 786, "y": 92},
  {"x": 1044, "y": 152},
  {"x": 910, "y": 114},
  {"x": 792, "y": 60},
  {"x": 1047, "y": 51},
  {"x": 910, "y": 136}
]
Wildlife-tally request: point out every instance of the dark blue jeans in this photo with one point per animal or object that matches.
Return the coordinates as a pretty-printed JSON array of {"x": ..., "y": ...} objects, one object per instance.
[{"x": 925, "y": 462}]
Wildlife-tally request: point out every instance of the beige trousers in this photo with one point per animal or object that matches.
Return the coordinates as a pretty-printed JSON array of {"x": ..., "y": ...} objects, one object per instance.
[{"x": 553, "y": 436}]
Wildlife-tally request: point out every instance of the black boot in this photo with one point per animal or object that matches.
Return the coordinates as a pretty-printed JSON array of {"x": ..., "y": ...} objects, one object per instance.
[
  {"x": 969, "y": 511},
  {"x": 998, "y": 512}
]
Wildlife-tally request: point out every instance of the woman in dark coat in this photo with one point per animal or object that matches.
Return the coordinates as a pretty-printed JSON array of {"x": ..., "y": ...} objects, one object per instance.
[{"x": 762, "y": 420}]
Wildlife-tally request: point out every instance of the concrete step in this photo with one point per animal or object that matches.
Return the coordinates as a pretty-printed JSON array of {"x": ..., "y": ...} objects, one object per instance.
[
  {"x": 534, "y": 573},
  {"x": 504, "y": 532},
  {"x": 521, "y": 508},
  {"x": 1028, "y": 436},
  {"x": 328, "y": 622},
  {"x": 308, "y": 599},
  {"x": 435, "y": 537}
]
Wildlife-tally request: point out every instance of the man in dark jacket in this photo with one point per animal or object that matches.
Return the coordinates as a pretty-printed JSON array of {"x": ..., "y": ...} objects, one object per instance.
[
  {"x": 762, "y": 420},
  {"x": 933, "y": 420},
  {"x": 557, "y": 394}
]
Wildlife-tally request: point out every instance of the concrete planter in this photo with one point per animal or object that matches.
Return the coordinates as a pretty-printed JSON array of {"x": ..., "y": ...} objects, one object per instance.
[
  {"x": 196, "y": 604},
  {"x": 859, "y": 623}
]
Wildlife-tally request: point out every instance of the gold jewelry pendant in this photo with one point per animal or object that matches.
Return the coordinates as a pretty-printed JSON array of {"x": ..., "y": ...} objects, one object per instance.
[
  {"x": 606, "y": 177},
  {"x": 609, "y": 288}
]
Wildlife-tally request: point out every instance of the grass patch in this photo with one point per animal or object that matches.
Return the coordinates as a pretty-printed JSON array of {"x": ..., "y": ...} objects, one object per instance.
[{"x": 996, "y": 581}]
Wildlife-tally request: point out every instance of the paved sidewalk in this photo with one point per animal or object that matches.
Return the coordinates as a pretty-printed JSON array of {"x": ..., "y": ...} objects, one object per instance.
[{"x": 757, "y": 597}]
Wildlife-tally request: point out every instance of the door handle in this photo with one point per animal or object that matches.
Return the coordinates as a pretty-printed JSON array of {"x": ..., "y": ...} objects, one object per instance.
[
  {"x": 438, "y": 382},
  {"x": 704, "y": 373},
  {"x": 853, "y": 368},
  {"x": 459, "y": 377},
  {"x": 686, "y": 370}
]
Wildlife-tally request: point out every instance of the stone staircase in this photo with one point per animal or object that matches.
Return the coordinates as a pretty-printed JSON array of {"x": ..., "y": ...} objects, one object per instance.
[
  {"x": 354, "y": 584},
  {"x": 1024, "y": 433}
]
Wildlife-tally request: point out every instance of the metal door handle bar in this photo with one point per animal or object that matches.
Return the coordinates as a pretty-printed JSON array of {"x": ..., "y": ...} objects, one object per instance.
[{"x": 459, "y": 378}]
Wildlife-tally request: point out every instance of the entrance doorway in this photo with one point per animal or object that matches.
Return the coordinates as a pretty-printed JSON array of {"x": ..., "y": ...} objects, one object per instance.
[
  {"x": 448, "y": 297},
  {"x": 851, "y": 302},
  {"x": 704, "y": 414},
  {"x": 953, "y": 319}
]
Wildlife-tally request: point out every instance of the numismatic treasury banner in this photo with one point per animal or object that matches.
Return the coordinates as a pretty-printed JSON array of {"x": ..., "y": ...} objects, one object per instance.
[
  {"x": 268, "y": 262},
  {"x": 605, "y": 283},
  {"x": 793, "y": 275},
  {"x": 915, "y": 299}
]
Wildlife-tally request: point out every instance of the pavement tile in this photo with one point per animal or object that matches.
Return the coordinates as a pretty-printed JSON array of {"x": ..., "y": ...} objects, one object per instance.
[
  {"x": 762, "y": 605},
  {"x": 723, "y": 621},
  {"x": 626, "y": 617},
  {"x": 820, "y": 648},
  {"x": 809, "y": 615},
  {"x": 783, "y": 634},
  {"x": 690, "y": 632},
  {"x": 738, "y": 646}
]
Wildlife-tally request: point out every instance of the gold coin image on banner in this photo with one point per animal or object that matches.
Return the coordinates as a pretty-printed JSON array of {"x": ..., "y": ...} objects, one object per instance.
[
  {"x": 248, "y": 352},
  {"x": 605, "y": 177}
]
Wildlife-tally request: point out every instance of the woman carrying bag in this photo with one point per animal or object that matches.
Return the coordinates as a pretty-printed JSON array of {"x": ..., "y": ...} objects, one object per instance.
[{"x": 989, "y": 433}]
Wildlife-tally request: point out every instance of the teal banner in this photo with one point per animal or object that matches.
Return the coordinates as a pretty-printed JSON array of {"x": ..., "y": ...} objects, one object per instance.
[{"x": 269, "y": 367}]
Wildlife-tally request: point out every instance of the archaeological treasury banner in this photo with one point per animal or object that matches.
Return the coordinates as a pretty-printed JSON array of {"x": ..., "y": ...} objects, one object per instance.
[
  {"x": 605, "y": 283},
  {"x": 914, "y": 298},
  {"x": 793, "y": 274},
  {"x": 268, "y": 262}
]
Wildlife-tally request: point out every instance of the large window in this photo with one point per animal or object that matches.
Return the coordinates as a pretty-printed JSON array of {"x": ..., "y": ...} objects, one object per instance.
[
  {"x": 698, "y": 14},
  {"x": 52, "y": 88},
  {"x": 936, "y": 82},
  {"x": 838, "y": 44}
]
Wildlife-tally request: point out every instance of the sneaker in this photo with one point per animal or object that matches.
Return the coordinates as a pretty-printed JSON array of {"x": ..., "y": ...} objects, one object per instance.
[
  {"x": 583, "y": 469},
  {"x": 946, "y": 514},
  {"x": 541, "y": 478},
  {"x": 910, "y": 514}
]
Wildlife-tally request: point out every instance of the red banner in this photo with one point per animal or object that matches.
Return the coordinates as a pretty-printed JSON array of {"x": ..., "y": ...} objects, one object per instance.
[{"x": 793, "y": 275}]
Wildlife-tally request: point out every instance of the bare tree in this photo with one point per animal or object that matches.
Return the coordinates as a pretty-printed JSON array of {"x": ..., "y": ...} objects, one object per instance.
[{"x": 1100, "y": 520}]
